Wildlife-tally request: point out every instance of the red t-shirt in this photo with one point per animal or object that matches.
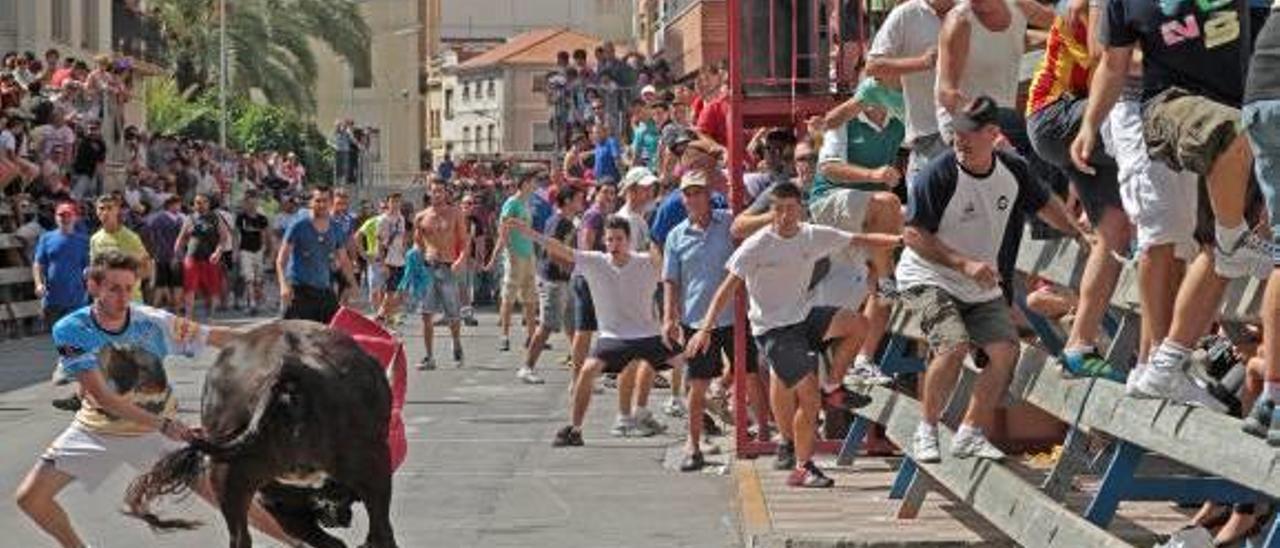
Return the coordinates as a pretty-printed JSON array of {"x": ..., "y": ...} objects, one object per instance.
[
  {"x": 714, "y": 119},
  {"x": 695, "y": 107},
  {"x": 59, "y": 77}
]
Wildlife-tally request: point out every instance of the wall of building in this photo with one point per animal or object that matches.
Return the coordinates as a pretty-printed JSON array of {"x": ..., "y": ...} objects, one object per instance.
[
  {"x": 479, "y": 96},
  {"x": 29, "y": 25},
  {"x": 695, "y": 33},
  {"x": 528, "y": 110},
  {"x": 393, "y": 103},
  {"x": 608, "y": 19}
]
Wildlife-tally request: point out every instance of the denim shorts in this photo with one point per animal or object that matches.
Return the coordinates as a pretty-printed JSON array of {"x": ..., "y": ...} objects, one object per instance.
[{"x": 1261, "y": 121}]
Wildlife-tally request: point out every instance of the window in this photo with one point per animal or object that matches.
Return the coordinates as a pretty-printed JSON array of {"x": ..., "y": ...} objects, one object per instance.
[
  {"x": 466, "y": 91},
  {"x": 61, "y": 20},
  {"x": 492, "y": 148},
  {"x": 543, "y": 139},
  {"x": 540, "y": 83},
  {"x": 448, "y": 104},
  {"x": 491, "y": 89},
  {"x": 435, "y": 124},
  {"x": 466, "y": 139},
  {"x": 89, "y": 24},
  {"x": 479, "y": 134}
]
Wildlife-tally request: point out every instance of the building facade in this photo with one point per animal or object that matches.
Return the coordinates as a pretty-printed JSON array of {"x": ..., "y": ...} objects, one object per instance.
[
  {"x": 496, "y": 103},
  {"x": 390, "y": 103}
]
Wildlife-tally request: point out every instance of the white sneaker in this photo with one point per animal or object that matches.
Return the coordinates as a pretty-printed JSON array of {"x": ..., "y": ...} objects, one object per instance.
[
  {"x": 971, "y": 443},
  {"x": 646, "y": 424},
  {"x": 674, "y": 407},
  {"x": 528, "y": 376},
  {"x": 866, "y": 373},
  {"x": 623, "y": 427},
  {"x": 1251, "y": 256},
  {"x": 925, "y": 446},
  {"x": 1131, "y": 382},
  {"x": 1174, "y": 384}
]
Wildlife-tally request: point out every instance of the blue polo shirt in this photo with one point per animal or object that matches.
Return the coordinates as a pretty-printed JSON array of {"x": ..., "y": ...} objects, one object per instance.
[
  {"x": 63, "y": 258},
  {"x": 672, "y": 212},
  {"x": 311, "y": 252},
  {"x": 694, "y": 259}
]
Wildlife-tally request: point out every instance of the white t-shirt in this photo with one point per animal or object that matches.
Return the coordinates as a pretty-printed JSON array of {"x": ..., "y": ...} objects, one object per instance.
[
  {"x": 639, "y": 228},
  {"x": 991, "y": 67},
  {"x": 777, "y": 272},
  {"x": 391, "y": 229},
  {"x": 910, "y": 30},
  {"x": 623, "y": 295},
  {"x": 8, "y": 141}
]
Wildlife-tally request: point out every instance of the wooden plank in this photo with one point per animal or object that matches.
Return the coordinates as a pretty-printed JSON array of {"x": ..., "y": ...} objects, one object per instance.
[
  {"x": 25, "y": 309},
  {"x": 15, "y": 275},
  {"x": 9, "y": 241},
  {"x": 1014, "y": 506},
  {"x": 1202, "y": 439}
]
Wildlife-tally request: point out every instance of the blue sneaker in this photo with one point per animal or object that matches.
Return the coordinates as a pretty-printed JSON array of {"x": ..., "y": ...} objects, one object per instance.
[{"x": 1088, "y": 363}]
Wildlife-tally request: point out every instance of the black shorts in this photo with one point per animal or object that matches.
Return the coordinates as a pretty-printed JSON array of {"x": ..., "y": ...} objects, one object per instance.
[
  {"x": 394, "y": 273},
  {"x": 710, "y": 364},
  {"x": 791, "y": 351},
  {"x": 168, "y": 275},
  {"x": 618, "y": 353},
  {"x": 584, "y": 311},
  {"x": 312, "y": 303}
]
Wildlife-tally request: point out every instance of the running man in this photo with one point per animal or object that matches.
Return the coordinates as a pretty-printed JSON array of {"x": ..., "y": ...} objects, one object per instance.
[
  {"x": 441, "y": 232},
  {"x": 391, "y": 235},
  {"x": 118, "y": 424},
  {"x": 629, "y": 335},
  {"x": 554, "y": 300},
  {"x": 518, "y": 282},
  {"x": 255, "y": 236},
  {"x": 310, "y": 245},
  {"x": 776, "y": 265}
]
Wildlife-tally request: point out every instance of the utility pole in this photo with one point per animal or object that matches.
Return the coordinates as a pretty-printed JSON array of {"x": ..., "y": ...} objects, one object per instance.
[{"x": 222, "y": 74}]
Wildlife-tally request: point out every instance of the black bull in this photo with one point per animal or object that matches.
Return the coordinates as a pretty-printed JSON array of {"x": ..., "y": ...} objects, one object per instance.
[{"x": 296, "y": 413}]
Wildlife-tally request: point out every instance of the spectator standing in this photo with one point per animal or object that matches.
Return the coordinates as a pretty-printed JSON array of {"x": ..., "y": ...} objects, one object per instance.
[
  {"x": 518, "y": 283},
  {"x": 607, "y": 154},
  {"x": 61, "y": 257},
  {"x": 554, "y": 298},
  {"x": 114, "y": 236},
  {"x": 309, "y": 247},
  {"x": 254, "y": 230},
  {"x": 160, "y": 232}
]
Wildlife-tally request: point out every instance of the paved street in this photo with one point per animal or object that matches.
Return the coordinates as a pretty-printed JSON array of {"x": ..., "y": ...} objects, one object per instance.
[{"x": 480, "y": 471}]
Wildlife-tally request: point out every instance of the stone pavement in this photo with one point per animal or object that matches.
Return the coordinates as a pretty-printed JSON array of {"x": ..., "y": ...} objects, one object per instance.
[{"x": 480, "y": 470}]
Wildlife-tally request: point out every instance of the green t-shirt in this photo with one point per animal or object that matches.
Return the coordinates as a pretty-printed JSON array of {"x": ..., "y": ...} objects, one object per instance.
[
  {"x": 860, "y": 144},
  {"x": 517, "y": 244}
]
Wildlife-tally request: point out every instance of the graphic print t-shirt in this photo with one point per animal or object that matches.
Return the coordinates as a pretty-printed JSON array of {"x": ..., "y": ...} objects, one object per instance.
[
  {"x": 78, "y": 338},
  {"x": 1191, "y": 44}
]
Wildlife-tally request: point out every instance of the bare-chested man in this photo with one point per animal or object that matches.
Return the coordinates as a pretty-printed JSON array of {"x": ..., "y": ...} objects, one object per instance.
[{"x": 440, "y": 234}]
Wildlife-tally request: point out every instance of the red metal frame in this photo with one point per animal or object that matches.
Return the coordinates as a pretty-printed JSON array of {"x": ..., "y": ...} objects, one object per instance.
[{"x": 755, "y": 112}]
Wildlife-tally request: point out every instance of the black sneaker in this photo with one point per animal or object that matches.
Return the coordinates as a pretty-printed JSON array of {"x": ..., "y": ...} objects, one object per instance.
[
  {"x": 567, "y": 437},
  {"x": 457, "y": 356},
  {"x": 843, "y": 398},
  {"x": 786, "y": 457},
  {"x": 809, "y": 476},
  {"x": 70, "y": 403},
  {"x": 709, "y": 426},
  {"x": 692, "y": 462},
  {"x": 1256, "y": 424}
]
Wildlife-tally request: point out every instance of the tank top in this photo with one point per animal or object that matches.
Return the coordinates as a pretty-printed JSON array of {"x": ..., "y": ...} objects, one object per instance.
[
  {"x": 204, "y": 236},
  {"x": 994, "y": 57}
]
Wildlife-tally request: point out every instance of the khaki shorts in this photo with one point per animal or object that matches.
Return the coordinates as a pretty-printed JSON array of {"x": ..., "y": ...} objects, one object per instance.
[
  {"x": 948, "y": 322},
  {"x": 518, "y": 282},
  {"x": 90, "y": 457},
  {"x": 1188, "y": 132}
]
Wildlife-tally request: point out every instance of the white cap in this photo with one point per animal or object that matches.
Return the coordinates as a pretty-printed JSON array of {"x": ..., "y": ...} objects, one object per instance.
[
  {"x": 638, "y": 176},
  {"x": 648, "y": 89}
]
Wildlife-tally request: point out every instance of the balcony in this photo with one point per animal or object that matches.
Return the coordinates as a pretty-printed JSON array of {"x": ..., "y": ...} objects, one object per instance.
[{"x": 135, "y": 34}]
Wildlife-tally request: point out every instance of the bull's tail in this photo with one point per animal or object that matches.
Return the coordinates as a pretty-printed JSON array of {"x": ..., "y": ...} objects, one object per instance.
[{"x": 177, "y": 473}]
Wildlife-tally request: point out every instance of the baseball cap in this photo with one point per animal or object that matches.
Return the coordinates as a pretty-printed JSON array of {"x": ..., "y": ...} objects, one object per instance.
[
  {"x": 871, "y": 91},
  {"x": 638, "y": 176},
  {"x": 648, "y": 89},
  {"x": 979, "y": 112},
  {"x": 693, "y": 178}
]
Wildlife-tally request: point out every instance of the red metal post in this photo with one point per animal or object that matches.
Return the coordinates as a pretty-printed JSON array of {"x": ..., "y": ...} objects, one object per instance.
[{"x": 736, "y": 200}]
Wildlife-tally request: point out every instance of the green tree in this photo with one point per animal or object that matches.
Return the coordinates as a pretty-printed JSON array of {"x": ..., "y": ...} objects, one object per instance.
[
  {"x": 171, "y": 111},
  {"x": 258, "y": 127},
  {"x": 268, "y": 44}
]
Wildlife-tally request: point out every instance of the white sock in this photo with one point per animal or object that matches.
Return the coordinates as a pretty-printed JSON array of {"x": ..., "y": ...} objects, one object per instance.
[
  {"x": 1227, "y": 237},
  {"x": 1271, "y": 390},
  {"x": 1169, "y": 355},
  {"x": 967, "y": 430}
]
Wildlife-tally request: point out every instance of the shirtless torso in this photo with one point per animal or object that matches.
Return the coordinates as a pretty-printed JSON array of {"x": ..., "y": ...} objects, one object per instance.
[{"x": 443, "y": 233}]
